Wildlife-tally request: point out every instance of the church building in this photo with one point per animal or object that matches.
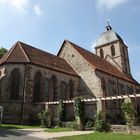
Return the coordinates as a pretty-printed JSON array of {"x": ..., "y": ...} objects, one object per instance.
[{"x": 32, "y": 80}]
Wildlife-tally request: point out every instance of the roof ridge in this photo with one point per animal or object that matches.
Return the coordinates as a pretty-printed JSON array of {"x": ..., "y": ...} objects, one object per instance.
[
  {"x": 41, "y": 51},
  {"x": 7, "y": 55},
  {"x": 22, "y": 48}
]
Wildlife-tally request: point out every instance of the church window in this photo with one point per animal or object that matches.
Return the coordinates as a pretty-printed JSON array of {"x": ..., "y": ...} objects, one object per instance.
[
  {"x": 132, "y": 90},
  {"x": 15, "y": 78},
  {"x": 121, "y": 89},
  {"x": 128, "y": 90},
  {"x": 47, "y": 89},
  {"x": 101, "y": 53},
  {"x": 103, "y": 85},
  {"x": 71, "y": 89},
  {"x": 53, "y": 93},
  {"x": 112, "y": 88},
  {"x": 63, "y": 91},
  {"x": 112, "y": 50},
  {"x": 37, "y": 86},
  {"x": 137, "y": 90}
]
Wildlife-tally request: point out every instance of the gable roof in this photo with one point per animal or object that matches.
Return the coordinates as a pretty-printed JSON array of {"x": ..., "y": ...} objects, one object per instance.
[
  {"x": 23, "y": 53},
  {"x": 100, "y": 64}
]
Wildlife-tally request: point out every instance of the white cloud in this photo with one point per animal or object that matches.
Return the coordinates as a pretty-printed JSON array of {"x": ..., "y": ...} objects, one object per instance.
[
  {"x": 19, "y": 5},
  {"x": 37, "y": 10},
  {"x": 109, "y": 4}
]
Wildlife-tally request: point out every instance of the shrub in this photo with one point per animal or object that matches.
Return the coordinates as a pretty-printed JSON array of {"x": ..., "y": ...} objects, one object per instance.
[
  {"x": 128, "y": 113},
  {"x": 60, "y": 113},
  {"x": 100, "y": 124},
  {"x": 71, "y": 124},
  {"x": 89, "y": 124},
  {"x": 79, "y": 113},
  {"x": 43, "y": 117}
]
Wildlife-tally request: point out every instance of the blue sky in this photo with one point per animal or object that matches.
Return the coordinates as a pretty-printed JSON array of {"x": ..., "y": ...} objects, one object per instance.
[{"x": 46, "y": 23}]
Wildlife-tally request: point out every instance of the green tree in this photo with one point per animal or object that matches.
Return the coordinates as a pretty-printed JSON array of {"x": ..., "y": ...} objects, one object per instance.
[{"x": 2, "y": 51}]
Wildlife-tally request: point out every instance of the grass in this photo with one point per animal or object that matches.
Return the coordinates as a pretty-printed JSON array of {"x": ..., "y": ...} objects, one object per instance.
[
  {"x": 58, "y": 129},
  {"x": 102, "y": 136},
  {"x": 13, "y": 126}
]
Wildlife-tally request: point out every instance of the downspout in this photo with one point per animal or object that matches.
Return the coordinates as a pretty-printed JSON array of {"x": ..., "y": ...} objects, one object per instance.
[{"x": 23, "y": 96}]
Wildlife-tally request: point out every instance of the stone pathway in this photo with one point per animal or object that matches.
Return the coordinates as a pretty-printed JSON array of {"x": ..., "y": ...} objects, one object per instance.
[
  {"x": 36, "y": 134},
  {"x": 39, "y": 133}
]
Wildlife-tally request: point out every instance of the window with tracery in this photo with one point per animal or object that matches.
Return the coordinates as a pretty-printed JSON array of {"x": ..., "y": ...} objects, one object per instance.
[
  {"x": 37, "y": 86},
  {"x": 15, "y": 78},
  {"x": 71, "y": 89},
  {"x": 103, "y": 85},
  {"x": 53, "y": 93},
  {"x": 63, "y": 91},
  {"x": 47, "y": 89}
]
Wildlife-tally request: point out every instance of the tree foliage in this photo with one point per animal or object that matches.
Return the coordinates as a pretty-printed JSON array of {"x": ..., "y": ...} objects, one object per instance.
[
  {"x": 43, "y": 117},
  {"x": 100, "y": 124},
  {"x": 129, "y": 115},
  {"x": 60, "y": 113},
  {"x": 79, "y": 113},
  {"x": 2, "y": 52}
]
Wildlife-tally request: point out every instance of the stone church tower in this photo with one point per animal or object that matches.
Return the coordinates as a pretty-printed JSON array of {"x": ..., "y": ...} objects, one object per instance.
[{"x": 111, "y": 47}]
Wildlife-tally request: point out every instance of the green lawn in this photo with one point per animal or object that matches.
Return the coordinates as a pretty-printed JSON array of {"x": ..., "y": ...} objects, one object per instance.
[
  {"x": 102, "y": 136},
  {"x": 59, "y": 129},
  {"x": 13, "y": 126}
]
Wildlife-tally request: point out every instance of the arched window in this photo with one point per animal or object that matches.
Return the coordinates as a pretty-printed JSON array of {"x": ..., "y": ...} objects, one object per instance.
[
  {"x": 15, "y": 84},
  {"x": 71, "y": 89},
  {"x": 63, "y": 91},
  {"x": 53, "y": 93},
  {"x": 37, "y": 86},
  {"x": 101, "y": 53},
  {"x": 103, "y": 85},
  {"x": 112, "y": 50},
  {"x": 47, "y": 89}
]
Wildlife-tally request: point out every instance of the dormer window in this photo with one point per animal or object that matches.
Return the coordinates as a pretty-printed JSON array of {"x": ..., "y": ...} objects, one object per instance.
[
  {"x": 112, "y": 50},
  {"x": 101, "y": 53}
]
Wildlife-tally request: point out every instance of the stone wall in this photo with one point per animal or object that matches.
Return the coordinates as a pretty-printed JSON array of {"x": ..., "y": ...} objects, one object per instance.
[
  {"x": 47, "y": 74},
  {"x": 24, "y": 110},
  {"x": 90, "y": 83},
  {"x": 124, "y": 129}
]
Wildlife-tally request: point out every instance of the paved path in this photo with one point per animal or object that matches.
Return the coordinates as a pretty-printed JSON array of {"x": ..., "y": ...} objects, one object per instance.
[{"x": 35, "y": 134}]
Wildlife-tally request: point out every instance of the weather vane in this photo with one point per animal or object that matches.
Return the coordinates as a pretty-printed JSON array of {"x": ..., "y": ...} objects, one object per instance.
[{"x": 108, "y": 27}]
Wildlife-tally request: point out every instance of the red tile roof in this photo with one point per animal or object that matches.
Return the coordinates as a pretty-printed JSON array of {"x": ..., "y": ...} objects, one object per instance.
[
  {"x": 101, "y": 64},
  {"x": 21, "y": 53}
]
